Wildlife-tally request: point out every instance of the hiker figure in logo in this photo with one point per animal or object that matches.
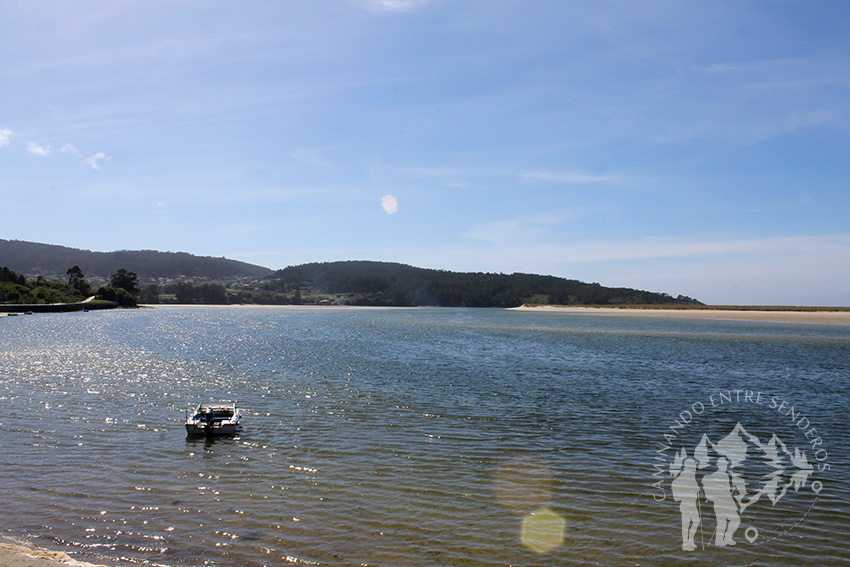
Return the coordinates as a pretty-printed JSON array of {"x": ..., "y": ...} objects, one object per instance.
[
  {"x": 718, "y": 489},
  {"x": 686, "y": 491}
]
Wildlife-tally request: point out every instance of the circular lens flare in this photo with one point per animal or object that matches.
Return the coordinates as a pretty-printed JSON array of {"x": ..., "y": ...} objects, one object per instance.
[
  {"x": 389, "y": 203},
  {"x": 543, "y": 530}
]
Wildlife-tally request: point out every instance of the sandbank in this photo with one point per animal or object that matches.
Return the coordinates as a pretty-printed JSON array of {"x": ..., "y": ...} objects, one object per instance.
[
  {"x": 17, "y": 555},
  {"x": 837, "y": 317}
]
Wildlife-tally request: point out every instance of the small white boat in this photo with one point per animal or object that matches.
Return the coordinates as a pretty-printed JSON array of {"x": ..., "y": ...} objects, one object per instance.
[{"x": 213, "y": 418}]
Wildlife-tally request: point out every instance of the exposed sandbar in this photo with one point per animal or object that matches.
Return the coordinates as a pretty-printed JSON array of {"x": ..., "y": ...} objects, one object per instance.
[
  {"x": 838, "y": 316},
  {"x": 17, "y": 555}
]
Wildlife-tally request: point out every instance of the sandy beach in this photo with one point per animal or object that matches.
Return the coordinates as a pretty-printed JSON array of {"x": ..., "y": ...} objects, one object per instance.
[
  {"x": 749, "y": 314},
  {"x": 17, "y": 555}
]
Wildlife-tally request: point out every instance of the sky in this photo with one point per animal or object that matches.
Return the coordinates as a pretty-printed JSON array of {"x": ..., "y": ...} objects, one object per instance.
[{"x": 694, "y": 148}]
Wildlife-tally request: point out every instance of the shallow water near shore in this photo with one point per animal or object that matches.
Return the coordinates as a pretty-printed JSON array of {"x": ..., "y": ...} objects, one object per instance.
[{"x": 414, "y": 436}]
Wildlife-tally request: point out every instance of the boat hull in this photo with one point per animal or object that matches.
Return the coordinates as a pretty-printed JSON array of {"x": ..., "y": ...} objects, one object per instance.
[
  {"x": 202, "y": 429},
  {"x": 212, "y": 420}
]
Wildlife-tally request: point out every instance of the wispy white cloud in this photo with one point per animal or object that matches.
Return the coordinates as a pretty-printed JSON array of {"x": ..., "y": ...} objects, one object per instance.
[
  {"x": 310, "y": 156},
  {"x": 750, "y": 101},
  {"x": 565, "y": 177},
  {"x": 697, "y": 247},
  {"x": 68, "y": 148},
  {"x": 394, "y": 5},
  {"x": 37, "y": 150},
  {"x": 728, "y": 67},
  {"x": 92, "y": 161},
  {"x": 522, "y": 230},
  {"x": 457, "y": 175},
  {"x": 245, "y": 228},
  {"x": 796, "y": 74},
  {"x": 5, "y": 136},
  {"x": 677, "y": 246},
  {"x": 432, "y": 172}
]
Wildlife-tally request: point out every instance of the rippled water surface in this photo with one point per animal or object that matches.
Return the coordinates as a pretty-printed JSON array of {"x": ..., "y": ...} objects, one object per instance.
[{"x": 414, "y": 436}]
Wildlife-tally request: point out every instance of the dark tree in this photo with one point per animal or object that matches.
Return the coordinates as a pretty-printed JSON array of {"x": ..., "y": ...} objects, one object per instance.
[
  {"x": 149, "y": 294},
  {"x": 128, "y": 281},
  {"x": 185, "y": 293},
  {"x": 7, "y": 275},
  {"x": 77, "y": 280},
  {"x": 117, "y": 294},
  {"x": 212, "y": 294}
]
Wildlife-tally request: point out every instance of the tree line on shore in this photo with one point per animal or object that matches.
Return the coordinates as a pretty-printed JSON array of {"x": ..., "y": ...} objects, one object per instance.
[
  {"x": 124, "y": 288},
  {"x": 392, "y": 284},
  {"x": 16, "y": 289},
  {"x": 349, "y": 283}
]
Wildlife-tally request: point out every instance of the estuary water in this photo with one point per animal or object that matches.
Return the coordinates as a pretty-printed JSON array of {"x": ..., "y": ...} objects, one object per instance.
[{"x": 398, "y": 437}]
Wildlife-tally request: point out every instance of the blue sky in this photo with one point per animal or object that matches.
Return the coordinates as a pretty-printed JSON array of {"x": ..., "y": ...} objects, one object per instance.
[{"x": 696, "y": 148}]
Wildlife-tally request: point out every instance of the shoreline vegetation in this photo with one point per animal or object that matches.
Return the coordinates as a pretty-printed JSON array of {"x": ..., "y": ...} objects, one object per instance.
[
  {"x": 19, "y": 294},
  {"x": 399, "y": 285},
  {"x": 360, "y": 283}
]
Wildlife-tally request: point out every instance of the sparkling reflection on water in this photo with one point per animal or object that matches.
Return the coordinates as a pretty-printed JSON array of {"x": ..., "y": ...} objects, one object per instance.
[{"x": 393, "y": 437}]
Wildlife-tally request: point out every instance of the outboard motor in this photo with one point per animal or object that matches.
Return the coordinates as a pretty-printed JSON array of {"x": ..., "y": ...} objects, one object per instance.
[{"x": 210, "y": 421}]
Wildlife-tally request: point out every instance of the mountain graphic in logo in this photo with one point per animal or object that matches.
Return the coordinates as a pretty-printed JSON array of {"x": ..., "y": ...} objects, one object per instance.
[{"x": 732, "y": 475}]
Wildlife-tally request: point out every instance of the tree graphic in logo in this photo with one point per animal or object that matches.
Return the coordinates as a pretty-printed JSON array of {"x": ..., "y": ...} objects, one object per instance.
[{"x": 732, "y": 475}]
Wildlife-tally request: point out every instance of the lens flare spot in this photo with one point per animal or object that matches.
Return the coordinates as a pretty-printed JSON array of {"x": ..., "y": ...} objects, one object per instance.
[
  {"x": 389, "y": 203},
  {"x": 543, "y": 530}
]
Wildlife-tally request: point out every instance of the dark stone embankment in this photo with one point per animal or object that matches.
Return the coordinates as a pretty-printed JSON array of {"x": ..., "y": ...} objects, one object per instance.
[{"x": 86, "y": 305}]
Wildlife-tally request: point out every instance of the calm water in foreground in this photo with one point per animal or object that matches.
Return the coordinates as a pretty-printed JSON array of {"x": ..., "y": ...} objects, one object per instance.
[{"x": 423, "y": 437}]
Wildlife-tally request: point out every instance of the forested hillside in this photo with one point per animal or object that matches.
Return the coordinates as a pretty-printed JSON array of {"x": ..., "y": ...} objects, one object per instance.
[
  {"x": 348, "y": 282},
  {"x": 51, "y": 261},
  {"x": 381, "y": 283}
]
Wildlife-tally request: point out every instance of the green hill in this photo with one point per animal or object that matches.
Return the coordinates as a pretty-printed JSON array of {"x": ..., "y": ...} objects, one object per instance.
[
  {"x": 348, "y": 282},
  {"x": 383, "y": 283},
  {"x": 52, "y": 262}
]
